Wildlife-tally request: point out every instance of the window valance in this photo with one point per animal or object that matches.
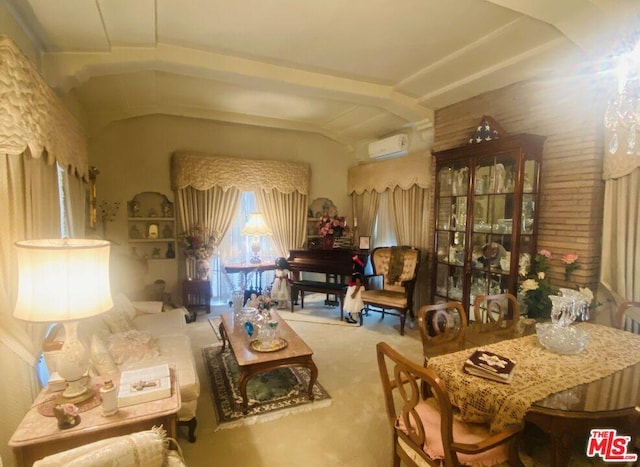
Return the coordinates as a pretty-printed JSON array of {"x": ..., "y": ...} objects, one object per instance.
[
  {"x": 403, "y": 172},
  {"x": 32, "y": 117},
  {"x": 203, "y": 171}
]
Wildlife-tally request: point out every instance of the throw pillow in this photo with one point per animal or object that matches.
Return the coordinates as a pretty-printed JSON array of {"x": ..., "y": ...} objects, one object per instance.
[
  {"x": 133, "y": 345},
  {"x": 122, "y": 303},
  {"x": 118, "y": 320},
  {"x": 101, "y": 359}
]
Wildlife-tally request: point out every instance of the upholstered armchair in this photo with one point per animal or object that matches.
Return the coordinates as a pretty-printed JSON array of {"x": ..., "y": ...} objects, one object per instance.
[{"x": 398, "y": 268}]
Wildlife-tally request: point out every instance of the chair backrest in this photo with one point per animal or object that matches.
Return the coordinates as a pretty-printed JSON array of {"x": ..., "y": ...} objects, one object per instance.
[
  {"x": 495, "y": 312},
  {"x": 627, "y": 317},
  {"x": 409, "y": 380},
  {"x": 443, "y": 324},
  {"x": 397, "y": 264}
]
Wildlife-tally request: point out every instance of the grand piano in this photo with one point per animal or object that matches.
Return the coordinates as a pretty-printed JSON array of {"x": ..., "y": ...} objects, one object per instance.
[{"x": 335, "y": 264}]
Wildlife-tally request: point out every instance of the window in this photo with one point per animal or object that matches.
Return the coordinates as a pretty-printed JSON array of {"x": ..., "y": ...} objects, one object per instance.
[{"x": 235, "y": 248}]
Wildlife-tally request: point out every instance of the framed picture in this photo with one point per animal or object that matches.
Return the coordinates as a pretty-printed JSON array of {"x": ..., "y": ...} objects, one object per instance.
[{"x": 365, "y": 243}]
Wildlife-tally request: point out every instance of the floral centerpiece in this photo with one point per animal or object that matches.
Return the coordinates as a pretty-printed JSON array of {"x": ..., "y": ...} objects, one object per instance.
[
  {"x": 199, "y": 243},
  {"x": 332, "y": 226},
  {"x": 536, "y": 287}
]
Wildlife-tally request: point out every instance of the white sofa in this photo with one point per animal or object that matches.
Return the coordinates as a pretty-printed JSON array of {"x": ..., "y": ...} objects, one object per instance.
[{"x": 139, "y": 334}]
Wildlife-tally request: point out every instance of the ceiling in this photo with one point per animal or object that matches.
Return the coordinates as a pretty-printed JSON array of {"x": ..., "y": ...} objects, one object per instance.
[{"x": 352, "y": 70}]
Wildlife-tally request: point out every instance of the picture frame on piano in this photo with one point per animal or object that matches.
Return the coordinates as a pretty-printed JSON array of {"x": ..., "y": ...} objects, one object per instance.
[{"x": 364, "y": 243}]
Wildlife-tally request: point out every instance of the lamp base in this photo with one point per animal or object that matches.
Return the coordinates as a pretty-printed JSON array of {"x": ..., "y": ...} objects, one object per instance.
[
  {"x": 255, "y": 260},
  {"x": 75, "y": 397}
]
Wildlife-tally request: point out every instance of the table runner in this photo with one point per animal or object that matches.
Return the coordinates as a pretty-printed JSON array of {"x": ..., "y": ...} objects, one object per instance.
[{"x": 539, "y": 373}]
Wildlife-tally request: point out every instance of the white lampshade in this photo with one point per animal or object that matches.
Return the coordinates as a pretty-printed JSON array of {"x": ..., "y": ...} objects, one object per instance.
[
  {"x": 256, "y": 226},
  {"x": 62, "y": 279}
]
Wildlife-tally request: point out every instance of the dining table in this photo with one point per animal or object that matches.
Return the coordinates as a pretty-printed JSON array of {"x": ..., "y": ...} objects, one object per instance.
[{"x": 566, "y": 395}]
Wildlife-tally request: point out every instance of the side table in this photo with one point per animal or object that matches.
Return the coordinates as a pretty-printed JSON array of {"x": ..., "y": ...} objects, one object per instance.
[
  {"x": 196, "y": 294},
  {"x": 38, "y": 436}
]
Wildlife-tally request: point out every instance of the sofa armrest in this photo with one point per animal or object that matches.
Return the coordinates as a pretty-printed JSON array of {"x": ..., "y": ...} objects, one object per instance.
[{"x": 143, "y": 307}]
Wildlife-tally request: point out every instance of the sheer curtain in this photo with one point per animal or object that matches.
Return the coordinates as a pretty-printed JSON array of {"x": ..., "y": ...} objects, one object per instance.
[
  {"x": 74, "y": 199},
  {"x": 365, "y": 207}
]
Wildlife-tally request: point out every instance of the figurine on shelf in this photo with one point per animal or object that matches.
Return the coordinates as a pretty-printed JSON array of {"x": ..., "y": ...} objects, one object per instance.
[
  {"x": 166, "y": 209},
  {"x": 67, "y": 415},
  {"x": 171, "y": 253},
  {"x": 134, "y": 206}
]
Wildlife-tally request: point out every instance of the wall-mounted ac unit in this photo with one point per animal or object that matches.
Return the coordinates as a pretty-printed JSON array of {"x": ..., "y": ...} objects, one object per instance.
[{"x": 392, "y": 146}]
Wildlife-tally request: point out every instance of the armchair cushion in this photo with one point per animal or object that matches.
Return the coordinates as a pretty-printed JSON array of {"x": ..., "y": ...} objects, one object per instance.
[
  {"x": 385, "y": 298},
  {"x": 467, "y": 433}
]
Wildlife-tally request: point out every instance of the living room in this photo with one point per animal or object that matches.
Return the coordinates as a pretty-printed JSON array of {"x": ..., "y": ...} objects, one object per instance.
[{"x": 132, "y": 148}]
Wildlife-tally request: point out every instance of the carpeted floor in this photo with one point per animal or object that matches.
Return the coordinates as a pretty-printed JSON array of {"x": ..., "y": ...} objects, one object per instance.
[
  {"x": 353, "y": 431},
  {"x": 271, "y": 395}
]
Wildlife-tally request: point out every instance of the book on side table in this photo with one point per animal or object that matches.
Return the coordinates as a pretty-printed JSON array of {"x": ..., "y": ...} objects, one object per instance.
[
  {"x": 144, "y": 385},
  {"x": 490, "y": 365}
]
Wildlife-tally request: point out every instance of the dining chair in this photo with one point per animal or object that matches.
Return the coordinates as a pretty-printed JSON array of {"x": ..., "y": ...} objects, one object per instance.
[
  {"x": 496, "y": 312},
  {"x": 425, "y": 430},
  {"x": 627, "y": 317},
  {"x": 398, "y": 267},
  {"x": 441, "y": 326}
]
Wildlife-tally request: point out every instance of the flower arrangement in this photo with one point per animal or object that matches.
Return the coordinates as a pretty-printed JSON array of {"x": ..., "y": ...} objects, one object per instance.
[
  {"x": 332, "y": 226},
  {"x": 198, "y": 244},
  {"x": 264, "y": 303},
  {"x": 570, "y": 261},
  {"x": 536, "y": 288}
]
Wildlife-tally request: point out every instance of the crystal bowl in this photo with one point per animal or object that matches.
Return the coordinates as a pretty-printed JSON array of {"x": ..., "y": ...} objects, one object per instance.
[{"x": 565, "y": 340}]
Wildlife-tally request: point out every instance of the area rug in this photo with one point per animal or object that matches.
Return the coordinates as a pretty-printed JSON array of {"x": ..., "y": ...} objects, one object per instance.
[{"x": 271, "y": 395}]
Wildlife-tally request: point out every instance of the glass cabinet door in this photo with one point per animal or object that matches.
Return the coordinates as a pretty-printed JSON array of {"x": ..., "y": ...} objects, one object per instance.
[{"x": 451, "y": 226}]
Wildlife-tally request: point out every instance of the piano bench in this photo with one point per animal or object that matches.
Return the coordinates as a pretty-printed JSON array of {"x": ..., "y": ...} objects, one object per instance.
[{"x": 334, "y": 288}]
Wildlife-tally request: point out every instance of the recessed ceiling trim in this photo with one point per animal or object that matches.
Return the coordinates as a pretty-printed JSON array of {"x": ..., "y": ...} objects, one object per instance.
[
  {"x": 66, "y": 70},
  {"x": 100, "y": 120},
  {"x": 529, "y": 54}
]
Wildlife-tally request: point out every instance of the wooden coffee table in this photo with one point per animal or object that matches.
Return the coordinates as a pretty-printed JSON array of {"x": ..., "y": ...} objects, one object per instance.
[{"x": 252, "y": 363}]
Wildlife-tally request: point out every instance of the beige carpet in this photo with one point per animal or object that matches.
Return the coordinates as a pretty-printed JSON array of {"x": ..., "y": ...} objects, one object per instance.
[{"x": 353, "y": 431}]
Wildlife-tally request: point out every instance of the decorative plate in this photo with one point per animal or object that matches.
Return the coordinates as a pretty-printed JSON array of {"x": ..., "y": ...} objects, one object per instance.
[
  {"x": 268, "y": 345},
  {"x": 320, "y": 206}
]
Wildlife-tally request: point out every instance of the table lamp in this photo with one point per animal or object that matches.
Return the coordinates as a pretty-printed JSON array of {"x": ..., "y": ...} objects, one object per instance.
[
  {"x": 64, "y": 280},
  {"x": 256, "y": 228}
]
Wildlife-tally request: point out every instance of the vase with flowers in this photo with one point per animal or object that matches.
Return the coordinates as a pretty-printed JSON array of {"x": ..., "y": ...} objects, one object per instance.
[
  {"x": 536, "y": 287},
  {"x": 199, "y": 246},
  {"x": 332, "y": 227}
]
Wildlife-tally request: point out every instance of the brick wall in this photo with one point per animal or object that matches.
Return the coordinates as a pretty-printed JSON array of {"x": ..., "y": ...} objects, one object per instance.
[{"x": 569, "y": 113}]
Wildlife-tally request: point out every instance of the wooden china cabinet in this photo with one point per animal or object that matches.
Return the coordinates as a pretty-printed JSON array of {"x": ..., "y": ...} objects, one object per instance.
[{"x": 487, "y": 200}]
